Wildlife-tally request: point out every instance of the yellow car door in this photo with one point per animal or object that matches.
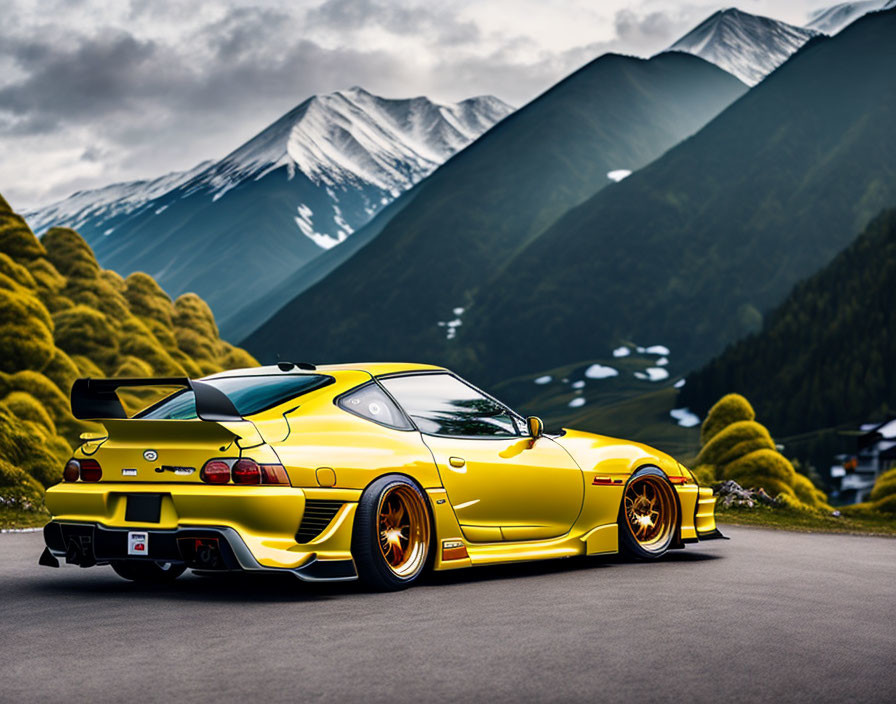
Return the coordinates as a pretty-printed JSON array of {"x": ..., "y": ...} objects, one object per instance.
[{"x": 501, "y": 485}]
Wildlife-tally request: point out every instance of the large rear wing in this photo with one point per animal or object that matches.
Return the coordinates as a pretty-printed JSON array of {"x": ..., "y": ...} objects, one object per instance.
[{"x": 95, "y": 399}]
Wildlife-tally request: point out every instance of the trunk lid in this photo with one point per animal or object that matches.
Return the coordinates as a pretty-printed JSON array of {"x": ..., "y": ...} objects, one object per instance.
[{"x": 166, "y": 451}]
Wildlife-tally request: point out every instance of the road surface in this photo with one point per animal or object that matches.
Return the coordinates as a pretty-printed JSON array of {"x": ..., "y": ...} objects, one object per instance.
[{"x": 766, "y": 616}]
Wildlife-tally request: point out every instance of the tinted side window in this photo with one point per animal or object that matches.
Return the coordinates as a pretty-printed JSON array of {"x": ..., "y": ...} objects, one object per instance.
[
  {"x": 370, "y": 402},
  {"x": 442, "y": 404}
]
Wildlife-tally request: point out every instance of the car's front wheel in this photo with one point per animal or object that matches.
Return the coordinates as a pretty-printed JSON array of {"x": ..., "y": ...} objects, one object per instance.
[
  {"x": 391, "y": 536},
  {"x": 648, "y": 517},
  {"x": 147, "y": 571}
]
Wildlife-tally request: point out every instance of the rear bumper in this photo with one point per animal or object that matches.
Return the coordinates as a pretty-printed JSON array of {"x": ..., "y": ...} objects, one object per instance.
[
  {"x": 87, "y": 544},
  {"x": 257, "y": 527}
]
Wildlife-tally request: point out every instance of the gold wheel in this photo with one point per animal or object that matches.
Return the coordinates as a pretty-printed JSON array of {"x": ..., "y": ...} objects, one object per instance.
[
  {"x": 650, "y": 510},
  {"x": 403, "y": 530}
]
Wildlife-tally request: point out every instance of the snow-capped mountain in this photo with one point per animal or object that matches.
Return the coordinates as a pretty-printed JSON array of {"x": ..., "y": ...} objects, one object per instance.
[
  {"x": 748, "y": 46},
  {"x": 831, "y": 20},
  {"x": 231, "y": 229},
  {"x": 116, "y": 199}
]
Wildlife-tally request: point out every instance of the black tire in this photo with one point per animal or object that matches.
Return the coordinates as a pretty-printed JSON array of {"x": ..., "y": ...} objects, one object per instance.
[
  {"x": 647, "y": 541},
  {"x": 370, "y": 544},
  {"x": 148, "y": 571}
]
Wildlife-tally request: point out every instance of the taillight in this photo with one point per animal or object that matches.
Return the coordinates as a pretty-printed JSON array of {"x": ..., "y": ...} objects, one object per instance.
[
  {"x": 273, "y": 474},
  {"x": 242, "y": 471},
  {"x": 215, "y": 472},
  {"x": 91, "y": 471},
  {"x": 246, "y": 471},
  {"x": 72, "y": 471}
]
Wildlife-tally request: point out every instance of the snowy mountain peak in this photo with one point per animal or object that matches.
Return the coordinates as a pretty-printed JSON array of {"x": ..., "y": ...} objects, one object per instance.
[
  {"x": 748, "y": 46},
  {"x": 831, "y": 20},
  {"x": 353, "y": 136}
]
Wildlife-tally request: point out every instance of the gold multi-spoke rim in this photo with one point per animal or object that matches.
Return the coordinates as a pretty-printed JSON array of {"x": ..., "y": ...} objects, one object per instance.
[
  {"x": 403, "y": 530},
  {"x": 650, "y": 511}
]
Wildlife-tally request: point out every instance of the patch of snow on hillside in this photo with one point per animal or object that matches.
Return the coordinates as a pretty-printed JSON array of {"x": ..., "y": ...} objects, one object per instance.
[
  {"x": 678, "y": 384},
  {"x": 599, "y": 371},
  {"x": 303, "y": 220},
  {"x": 622, "y": 351},
  {"x": 684, "y": 417},
  {"x": 618, "y": 174},
  {"x": 653, "y": 374},
  {"x": 578, "y": 384},
  {"x": 546, "y": 379},
  {"x": 577, "y": 402},
  {"x": 658, "y": 349},
  {"x": 662, "y": 361}
]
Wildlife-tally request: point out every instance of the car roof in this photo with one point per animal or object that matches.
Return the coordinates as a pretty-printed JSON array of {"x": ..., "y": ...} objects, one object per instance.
[{"x": 372, "y": 368}]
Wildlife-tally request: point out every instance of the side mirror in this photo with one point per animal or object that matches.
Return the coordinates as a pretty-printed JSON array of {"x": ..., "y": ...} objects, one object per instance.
[{"x": 535, "y": 426}]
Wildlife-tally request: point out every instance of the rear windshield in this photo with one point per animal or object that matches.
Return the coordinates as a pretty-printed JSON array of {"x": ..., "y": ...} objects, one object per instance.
[{"x": 249, "y": 394}]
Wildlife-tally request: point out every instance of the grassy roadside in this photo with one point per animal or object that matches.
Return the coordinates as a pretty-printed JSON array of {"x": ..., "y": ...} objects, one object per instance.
[
  {"x": 12, "y": 518},
  {"x": 788, "y": 519}
]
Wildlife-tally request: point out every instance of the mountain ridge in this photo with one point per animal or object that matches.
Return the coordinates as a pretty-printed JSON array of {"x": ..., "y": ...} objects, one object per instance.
[
  {"x": 232, "y": 229},
  {"x": 746, "y": 45}
]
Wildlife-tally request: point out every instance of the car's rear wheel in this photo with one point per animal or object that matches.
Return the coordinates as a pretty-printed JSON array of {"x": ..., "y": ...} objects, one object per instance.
[
  {"x": 391, "y": 536},
  {"x": 648, "y": 518},
  {"x": 148, "y": 571}
]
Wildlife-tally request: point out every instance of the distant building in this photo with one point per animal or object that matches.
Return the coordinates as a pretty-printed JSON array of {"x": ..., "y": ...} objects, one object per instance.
[{"x": 855, "y": 475}]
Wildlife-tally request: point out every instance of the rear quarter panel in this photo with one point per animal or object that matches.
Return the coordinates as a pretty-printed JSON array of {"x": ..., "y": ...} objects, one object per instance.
[{"x": 321, "y": 435}]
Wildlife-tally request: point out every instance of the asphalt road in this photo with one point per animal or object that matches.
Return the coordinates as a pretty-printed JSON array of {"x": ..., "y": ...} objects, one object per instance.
[{"x": 766, "y": 616}]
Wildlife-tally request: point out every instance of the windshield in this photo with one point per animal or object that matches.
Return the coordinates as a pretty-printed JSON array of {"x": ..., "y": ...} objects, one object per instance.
[{"x": 249, "y": 394}]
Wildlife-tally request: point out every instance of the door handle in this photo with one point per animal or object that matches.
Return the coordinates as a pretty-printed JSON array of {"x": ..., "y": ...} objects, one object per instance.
[{"x": 456, "y": 461}]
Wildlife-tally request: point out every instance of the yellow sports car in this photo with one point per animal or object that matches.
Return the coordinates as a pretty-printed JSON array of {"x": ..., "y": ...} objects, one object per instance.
[{"x": 371, "y": 471}]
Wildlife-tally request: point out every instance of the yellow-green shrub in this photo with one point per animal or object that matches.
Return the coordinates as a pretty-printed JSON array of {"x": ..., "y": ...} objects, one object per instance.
[
  {"x": 83, "y": 330},
  {"x": 23, "y": 405},
  {"x": 16, "y": 272},
  {"x": 763, "y": 468},
  {"x": 884, "y": 486},
  {"x": 26, "y": 332},
  {"x": 727, "y": 410},
  {"x": 70, "y": 254},
  {"x": 147, "y": 299},
  {"x": 16, "y": 238},
  {"x": 19, "y": 488},
  {"x": 807, "y": 492},
  {"x": 62, "y": 371},
  {"x": 734, "y": 441}
]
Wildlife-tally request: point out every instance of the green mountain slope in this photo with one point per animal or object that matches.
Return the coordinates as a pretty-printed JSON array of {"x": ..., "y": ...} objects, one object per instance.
[
  {"x": 827, "y": 355},
  {"x": 487, "y": 202},
  {"x": 689, "y": 250},
  {"x": 63, "y": 317}
]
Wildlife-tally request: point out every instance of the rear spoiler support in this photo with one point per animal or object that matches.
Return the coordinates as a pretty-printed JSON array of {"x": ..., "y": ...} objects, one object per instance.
[{"x": 95, "y": 399}]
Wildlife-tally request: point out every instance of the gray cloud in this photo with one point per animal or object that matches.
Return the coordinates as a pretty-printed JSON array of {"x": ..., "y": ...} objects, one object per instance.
[{"x": 99, "y": 91}]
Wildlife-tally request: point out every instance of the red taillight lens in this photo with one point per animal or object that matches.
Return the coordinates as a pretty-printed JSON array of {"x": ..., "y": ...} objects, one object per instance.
[
  {"x": 273, "y": 474},
  {"x": 215, "y": 472},
  {"x": 91, "y": 471},
  {"x": 72, "y": 471},
  {"x": 246, "y": 471}
]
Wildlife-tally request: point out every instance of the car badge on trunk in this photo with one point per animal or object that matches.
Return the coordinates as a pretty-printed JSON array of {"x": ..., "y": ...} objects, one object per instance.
[{"x": 150, "y": 455}]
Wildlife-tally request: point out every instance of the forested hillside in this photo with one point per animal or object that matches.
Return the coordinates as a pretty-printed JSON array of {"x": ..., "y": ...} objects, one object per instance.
[
  {"x": 827, "y": 355},
  {"x": 63, "y": 317},
  {"x": 468, "y": 219},
  {"x": 693, "y": 249}
]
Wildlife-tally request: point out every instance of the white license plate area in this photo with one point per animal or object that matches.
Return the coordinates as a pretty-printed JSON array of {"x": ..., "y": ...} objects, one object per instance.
[{"x": 138, "y": 543}]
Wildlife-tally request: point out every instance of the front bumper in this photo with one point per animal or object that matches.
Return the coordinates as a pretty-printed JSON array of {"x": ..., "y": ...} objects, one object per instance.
[{"x": 257, "y": 527}]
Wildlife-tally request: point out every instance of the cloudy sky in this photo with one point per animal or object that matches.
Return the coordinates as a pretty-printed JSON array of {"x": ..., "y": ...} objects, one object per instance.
[{"x": 93, "y": 92}]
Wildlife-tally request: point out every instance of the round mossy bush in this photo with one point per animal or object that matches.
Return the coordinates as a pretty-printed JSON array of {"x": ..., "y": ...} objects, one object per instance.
[
  {"x": 765, "y": 468},
  {"x": 147, "y": 299},
  {"x": 26, "y": 332},
  {"x": 884, "y": 486},
  {"x": 721, "y": 448},
  {"x": 727, "y": 410}
]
